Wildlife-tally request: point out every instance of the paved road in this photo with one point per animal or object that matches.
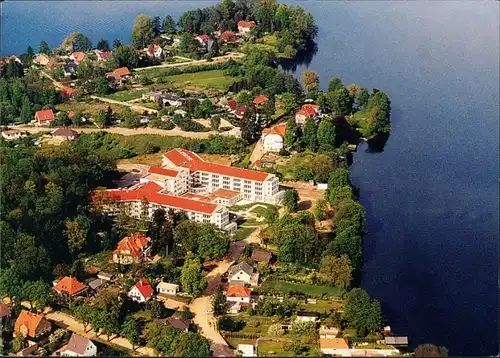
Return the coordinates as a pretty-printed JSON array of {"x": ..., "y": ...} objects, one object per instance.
[
  {"x": 195, "y": 62},
  {"x": 64, "y": 320},
  {"x": 201, "y": 305}
]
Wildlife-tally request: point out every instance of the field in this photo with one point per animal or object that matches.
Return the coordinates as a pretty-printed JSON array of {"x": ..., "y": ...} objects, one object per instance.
[
  {"x": 243, "y": 232},
  {"x": 205, "y": 79},
  {"x": 321, "y": 306},
  {"x": 360, "y": 120},
  {"x": 127, "y": 95},
  {"x": 217, "y": 158},
  {"x": 88, "y": 107},
  {"x": 311, "y": 290}
]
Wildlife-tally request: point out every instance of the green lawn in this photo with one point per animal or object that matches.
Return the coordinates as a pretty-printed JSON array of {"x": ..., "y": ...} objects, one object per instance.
[
  {"x": 209, "y": 79},
  {"x": 243, "y": 232},
  {"x": 312, "y": 290},
  {"x": 278, "y": 349},
  {"x": 251, "y": 222},
  {"x": 151, "y": 105},
  {"x": 321, "y": 306},
  {"x": 100, "y": 260},
  {"x": 256, "y": 324},
  {"x": 260, "y": 211},
  {"x": 360, "y": 120},
  {"x": 248, "y": 206},
  {"x": 126, "y": 95},
  {"x": 145, "y": 315}
]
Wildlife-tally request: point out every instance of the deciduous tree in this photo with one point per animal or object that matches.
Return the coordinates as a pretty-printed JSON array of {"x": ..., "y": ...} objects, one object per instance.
[
  {"x": 143, "y": 31},
  {"x": 335, "y": 84},
  {"x": 130, "y": 330},
  {"x": 336, "y": 271},
  {"x": 219, "y": 302},
  {"x": 290, "y": 200},
  {"x": 310, "y": 80},
  {"x": 362, "y": 312},
  {"x": 326, "y": 134},
  {"x": 192, "y": 279},
  {"x": 291, "y": 133}
]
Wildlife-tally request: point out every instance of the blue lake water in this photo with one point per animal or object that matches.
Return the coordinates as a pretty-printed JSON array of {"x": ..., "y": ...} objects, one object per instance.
[{"x": 431, "y": 252}]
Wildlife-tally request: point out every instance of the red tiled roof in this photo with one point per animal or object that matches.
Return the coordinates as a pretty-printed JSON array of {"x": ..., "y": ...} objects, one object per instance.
[
  {"x": 238, "y": 291},
  {"x": 71, "y": 114},
  {"x": 333, "y": 343},
  {"x": 77, "y": 344},
  {"x": 31, "y": 321},
  {"x": 78, "y": 56},
  {"x": 46, "y": 115},
  {"x": 257, "y": 164},
  {"x": 260, "y": 99},
  {"x": 4, "y": 310},
  {"x": 278, "y": 129},
  {"x": 241, "y": 110},
  {"x": 120, "y": 72},
  {"x": 105, "y": 55},
  {"x": 144, "y": 288},
  {"x": 246, "y": 24},
  {"x": 232, "y": 104},
  {"x": 68, "y": 91},
  {"x": 312, "y": 109},
  {"x": 151, "y": 192},
  {"x": 134, "y": 244},
  {"x": 64, "y": 132},
  {"x": 228, "y": 36},
  {"x": 186, "y": 159},
  {"x": 69, "y": 285},
  {"x": 203, "y": 37},
  {"x": 163, "y": 171}
]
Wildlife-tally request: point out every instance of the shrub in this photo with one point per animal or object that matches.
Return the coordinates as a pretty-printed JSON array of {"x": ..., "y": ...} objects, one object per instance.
[{"x": 275, "y": 330}]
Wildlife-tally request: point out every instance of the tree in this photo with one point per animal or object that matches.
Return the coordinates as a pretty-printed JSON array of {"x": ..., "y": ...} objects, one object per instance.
[
  {"x": 338, "y": 178},
  {"x": 116, "y": 44},
  {"x": 326, "y": 133},
  {"x": 336, "y": 271},
  {"x": 189, "y": 344},
  {"x": 319, "y": 209},
  {"x": 213, "y": 244},
  {"x": 18, "y": 342},
  {"x": 219, "y": 304},
  {"x": 350, "y": 214},
  {"x": 161, "y": 232},
  {"x": 76, "y": 233},
  {"x": 310, "y": 136},
  {"x": 169, "y": 25},
  {"x": 83, "y": 313},
  {"x": 157, "y": 309},
  {"x": 379, "y": 106},
  {"x": 126, "y": 56},
  {"x": 37, "y": 293},
  {"x": 143, "y": 31},
  {"x": 335, "y": 84},
  {"x": 340, "y": 102},
  {"x": 215, "y": 123},
  {"x": 349, "y": 243},
  {"x": 160, "y": 337},
  {"x": 271, "y": 214},
  {"x": 130, "y": 330},
  {"x": 310, "y": 80},
  {"x": 44, "y": 48},
  {"x": 25, "y": 115},
  {"x": 427, "y": 350},
  {"x": 362, "y": 312},
  {"x": 288, "y": 102},
  {"x": 102, "y": 119},
  {"x": 291, "y": 132},
  {"x": 188, "y": 43},
  {"x": 297, "y": 243},
  {"x": 251, "y": 125},
  {"x": 97, "y": 318},
  {"x": 243, "y": 98},
  {"x": 339, "y": 194},
  {"x": 290, "y": 199},
  {"x": 303, "y": 329},
  {"x": 215, "y": 48},
  {"x": 275, "y": 330},
  {"x": 30, "y": 54},
  {"x": 11, "y": 284},
  {"x": 157, "y": 28},
  {"x": 81, "y": 43},
  {"x": 192, "y": 279},
  {"x": 103, "y": 45},
  {"x": 362, "y": 98}
]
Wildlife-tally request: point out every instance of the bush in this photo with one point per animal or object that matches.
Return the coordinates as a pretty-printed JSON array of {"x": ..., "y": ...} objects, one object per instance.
[
  {"x": 275, "y": 330},
  {"x": 189, "y": 125},
  {"x": 186, "y": 314},
  {"x": 304, "y": 329}
]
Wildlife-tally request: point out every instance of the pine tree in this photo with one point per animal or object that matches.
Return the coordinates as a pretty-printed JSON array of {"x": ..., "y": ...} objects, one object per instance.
[
  {"x": 291, "y": 132},
  {"x": 25, "y": 115}
]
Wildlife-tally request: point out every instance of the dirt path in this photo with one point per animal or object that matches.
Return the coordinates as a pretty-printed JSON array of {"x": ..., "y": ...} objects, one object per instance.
[
  {"x": 258, "y": 152},
  {"x": 135, "y": 107},
  {"x": 194, "y": 62},
  {"x": 126, "y": 131},
  {"x": 57, "y": 84},
  {"x": 66, "y": 321},
  {"x": 201, "y": 305}
]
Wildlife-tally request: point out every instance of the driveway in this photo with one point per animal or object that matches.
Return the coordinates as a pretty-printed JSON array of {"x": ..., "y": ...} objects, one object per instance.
[{"x": 65, "y": 321}]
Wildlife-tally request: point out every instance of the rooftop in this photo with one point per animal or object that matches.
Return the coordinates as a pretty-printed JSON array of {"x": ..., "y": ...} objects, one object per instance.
[
  {"x": 69, "y": 285},
  {"x": 77, "y": 344},
  {"x": 238, "y": 291},
  {"x": 333, "y": 343}
]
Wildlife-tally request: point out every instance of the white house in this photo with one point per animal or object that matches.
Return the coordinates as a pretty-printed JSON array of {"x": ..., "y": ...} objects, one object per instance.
[
  {"x": 243, "y": 274},
  {"x": 167, "y": 288},
  {"x": 335, "y": 346},
  {"x": 13, "y": 134},
  {"x": 79, "y": 346},
  {"x": 247, "y": 350},
  {"x": 304, "y": 316},
  {"x": 141, "y": 291},
  {"x": 154, "y": 51},
  {"x": 244, "y": 27},
  {"x": 273, "y": 138},
  {"x": 238, "y": 294}
]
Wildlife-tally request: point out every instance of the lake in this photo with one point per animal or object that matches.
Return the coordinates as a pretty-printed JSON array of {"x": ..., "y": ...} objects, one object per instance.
[{"x": 431, "y": 252}]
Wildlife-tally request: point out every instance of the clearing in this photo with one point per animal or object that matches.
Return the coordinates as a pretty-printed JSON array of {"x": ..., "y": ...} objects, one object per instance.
[
  {"x": 126, "y": 95},
  {"x": 311, "y": 290},
  {"x": 206, "y": 79}
]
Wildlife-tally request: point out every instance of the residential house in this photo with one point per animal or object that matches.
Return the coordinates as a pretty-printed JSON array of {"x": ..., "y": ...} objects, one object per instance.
[
  {"x": 244, "y": 27},
  {"x": 304, "y": 316},
  {"x": 257, "y": 164},
  {"x": 155, "y": 96},
  {"x": 221, "y": 350},
  {"x": 260, "y": 99},
  {"x": 41, "y": 59},
  {"x": 154, "y": 51},
  {"x": 132, "y": 249},
  {"x": 172, "y": 100},
  {"x": 167, "y": 288},
  {"x": 273, "y": 138},
  {"x": 240, "y": 111},
  {"x": 307, "y": 111},
  {"x": 141, "y": 291},
  {"x": 335, "y": 346},
  {"x": 79, "y": 346},
  {"x": 239, "y": 294},
  {"x": 396, "y": 341},
  {"x": 232, "y": 105},
  {"x": 228, "y": 36},
  {"x": 4, "y": 311},
  {"x": 31, "y": 324},
  {"x": 180, "y": 112},
  {"x": 120, "y": 75},
  {"x": 70, "y": 69},
  {"x": 243, "y": 274},
  {"x": 44, "y": 118},
  {"x": 247, "y": 350},
  {"x": 70, "y": 286},
  {"x": 106, "y": 276},
  {"x": 103, "y": 56},
  {"x": 261, "y": 256},
  {"x": 68, "y": 93},
  {"x": 64, "y": 134},
  {"x": 202, "y": 39},
  {"x": 180, "y": 324},
  {"x": 77, "y": 57},
  {"x": 96, "y": 285},
  {"x": 328, "y": 331},
  {"x": 13, "y": 134}
]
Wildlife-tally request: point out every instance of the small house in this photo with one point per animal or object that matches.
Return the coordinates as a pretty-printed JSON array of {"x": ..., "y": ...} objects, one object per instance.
[
  {"x": 260, "y": 99},
  {"x": 4, "y": 311},
  {"x": 132, "y": 249},
  {"x": 106, "y": 276},
  {"x": 167, "y": 288},
  {"x": 305, "y": 316},
  {"x": 31, "y": 324},
  {"x": 64, "y": 134},
  {"x": 10, "y": 134},
  {"x": 334, "y": 346},
  {"x": 273, "y": 138},
  {"x": 240, "y": 112},
  {"x": 172, "y": 100},
  {"x": 70, "y": 286},
  {"x": 103, "y": 56},
  {"x": 41, "y": 59},
  {"x": 232, "y": 105},
  {"x": 261, "y": 255},
  {"x": 244, "y": 27},
  {"x": 120, "y": 75},
  {"x": 79, "y": 346},
  {"x": 396, "y": 341},
  {"x": 141, "y": 291},
  {"x": 97, "y": 284},
  {"x": 154, "y": 51},
  {"x": 68, "y": 93},
  {"x": 228, "y": 36},
  {"x": 243, "y": 274},
  {"x": 238, "y": 294},
  {"x": 77, "y": 57},
  {"x": 44, "y": 118},
  {"x": 247, "y": 350},
  {"x": 307, "y": 111},
  {"x": 202, "y": 39},
  {"x": 180, "y": 324}
]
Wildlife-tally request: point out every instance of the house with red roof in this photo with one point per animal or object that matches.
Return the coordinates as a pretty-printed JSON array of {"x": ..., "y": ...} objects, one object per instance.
[
  {"x": 79, "y": 346},
  {"x": 240, "y": 112},
  {"x": 132, "y": 249},
  {"x": 154, "y": 51},
  {"x": 260, "y": 99},
  {"x": 244, "y": 27},
  {"x": 120, "y": 75},
  {"x": 77, "y": 57},
  {"x": 64, "y": 134},
  {"x": 232, "y": 105},
  {"x": 31, "y": 325},
  {"x": 44, "y": 118},
  {"x": 141, "y": 292},
  {"x": 70, "y": 286},
  {"x": 68, "y": 92},
  {"x": 273, "y": 138},
  {"x": 202, "y": 39},
  {"x": 103, "y": 56},
  {"x": 306, "y": 111},
  {"x": 41, "y": 59},
  {"x": 238, "y": 293},
  {"x": 228, "y": 36}
]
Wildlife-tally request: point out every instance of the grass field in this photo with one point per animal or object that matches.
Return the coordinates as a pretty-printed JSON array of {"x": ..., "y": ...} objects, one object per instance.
[
  {"x": 321, "y": 306},
  {"x": 259, "y": 211},
  {"x": 248, "y": 206},
  {"x": 312, "y": 290},
  {"x": 208, "y": 79},
  {"x": 360, "y": 120},
  {"x": 243, "y": 232},
  {"x": 126, "y": 95},
  {"x": 258, "y": 325},
  {"x": 87, "y": 107}
]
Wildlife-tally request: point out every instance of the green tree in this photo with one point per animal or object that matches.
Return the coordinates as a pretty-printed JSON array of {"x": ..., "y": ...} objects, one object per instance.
[
  {"x": 303, "y": 329},
  {"x": 213, "y": 244},
  {"x": 338, "y": 178},
  {"x": 25, "y": 115},
  {"x": 340, "y": 102},
  {"x": 161, "y": 232},
  {"x": 102, "y": 120},
  {"x": 157, "y": 28},
  {"x": 160, "y": 337},
  {"x": 326, "y": 133},
  {"x": 18, "y": 343},
  {"x": 336, "y": 271},
  {"x": 251, "y": 125},
  {"x": 310, "y": 137},
  {"x": 350, "y": 214},
  {"x": 215, "y": 123},
  {"x": 81, "y": 43},
  {"x": 76, "y": 232},
  {"x": 243, "y": 98},
  {"x": 169, "y": 25},
  {"x": 219, "y": 304},
  {"x": 310, "y": 80},
  {"x": 379, "y": 107},
  {"x": 37, "y": 293},
  {"x": 11, "y": 284},
  {"x": 44, "y": 48},
  {"x": 349, "y": 243},
  {"x": 192, "y": 279},
  {"x": 143, "y": 31},
  {"x": 291, "y": 132},
  {"x": 362, "y": 98},
  {"x": 335, "y": 84},
  {"x": 191, "y": 344},
  {"x": 290, "y": 200},
  {"x": 126, "y": 56},
  {"x": 288, "y": 102},
  {"x": 103, "y": 45},
  {"x": 30, "y": 54},
  {"x": 362, "y": 312},
  {"x": 297, "y": 243},
  {"x": 83, "y": 313},
  {"x": 116, "y": 44},
  {"x": 130, "y": 330},
  {"x": 339, "y": 194},
  {"x": 320, "y": 209}
]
